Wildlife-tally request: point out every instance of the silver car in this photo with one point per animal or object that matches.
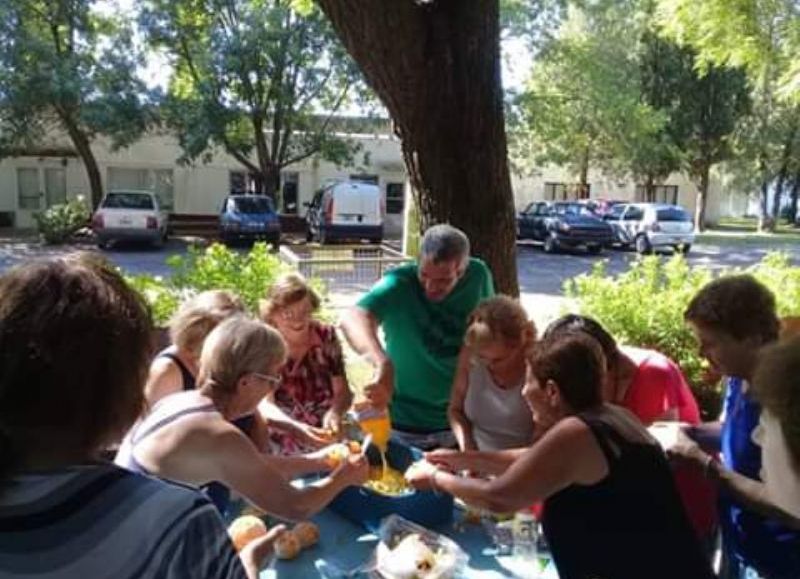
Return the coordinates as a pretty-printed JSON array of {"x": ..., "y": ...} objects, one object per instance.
[
  {"x": 130, "y": 216},
  {"x": 649, "y": 226}
]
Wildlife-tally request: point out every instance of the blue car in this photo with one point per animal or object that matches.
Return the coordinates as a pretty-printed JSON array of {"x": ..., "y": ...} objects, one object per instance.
[{"x": 249, "y": 218}]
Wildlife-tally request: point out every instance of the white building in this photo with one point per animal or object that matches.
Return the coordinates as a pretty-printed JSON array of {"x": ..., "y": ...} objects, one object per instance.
[{"x": 33, "y": 182}]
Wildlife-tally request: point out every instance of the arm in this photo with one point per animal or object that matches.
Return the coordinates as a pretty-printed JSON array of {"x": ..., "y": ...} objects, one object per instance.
[
  {"x": 342, "y": 396},
  {"x": 490, "y": 462},
  {"x": 163, "y": 379},
  {"x": 459, "y": 423},
  {"x": 270, "y": 414},
  {"x": 241, "y": 467},
  {"x": 707, "y": 435},
  {"x": 749, "y": 492},
  {"x": 360, "y": 327},
  {"x": 538, "y": 473}
]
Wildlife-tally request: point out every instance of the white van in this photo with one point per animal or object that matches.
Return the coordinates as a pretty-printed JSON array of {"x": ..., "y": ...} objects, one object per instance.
[{"x": 346, "y": 210}]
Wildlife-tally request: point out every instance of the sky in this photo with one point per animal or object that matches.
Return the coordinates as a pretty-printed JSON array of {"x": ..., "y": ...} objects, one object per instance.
[{"x": 515, "y": 59}]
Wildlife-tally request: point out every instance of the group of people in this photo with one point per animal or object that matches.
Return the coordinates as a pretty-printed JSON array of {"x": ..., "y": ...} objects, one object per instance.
[{"x": 508, "y": 418}]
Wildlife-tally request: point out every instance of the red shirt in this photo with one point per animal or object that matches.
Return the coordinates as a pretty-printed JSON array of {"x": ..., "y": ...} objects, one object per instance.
[{"x": 657, "y": 387}]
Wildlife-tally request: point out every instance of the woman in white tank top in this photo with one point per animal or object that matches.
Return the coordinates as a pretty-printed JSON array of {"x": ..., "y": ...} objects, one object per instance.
[{"x": 487, "y": 411}]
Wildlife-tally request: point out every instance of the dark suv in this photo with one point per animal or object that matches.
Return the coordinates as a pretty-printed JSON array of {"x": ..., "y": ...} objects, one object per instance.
[
  {"x": 249, "y": 218},
  {"x": 563, "y": 224}
]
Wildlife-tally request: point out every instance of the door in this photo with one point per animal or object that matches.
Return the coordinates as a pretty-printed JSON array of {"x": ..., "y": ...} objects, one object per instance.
[
  {"x": 631, "y": 223},
  {"x": 540, "y": 217},
  {"x": 29, "y": 196}
]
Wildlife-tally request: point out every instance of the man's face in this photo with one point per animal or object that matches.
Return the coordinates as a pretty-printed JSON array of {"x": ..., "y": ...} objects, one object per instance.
[
  {"x": 725, "y": 353},
  {"x": 439, "y": 279}
]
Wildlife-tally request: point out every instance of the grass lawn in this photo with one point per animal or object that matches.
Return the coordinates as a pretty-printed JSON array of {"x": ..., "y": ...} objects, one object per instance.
[{"x": 743, "y": 231}]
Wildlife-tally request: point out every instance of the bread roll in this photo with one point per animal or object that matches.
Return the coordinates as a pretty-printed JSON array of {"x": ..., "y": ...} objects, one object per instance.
[
  {"x": 245, "y": 529},
  {"x": 287, "y": 546},
  {"x": 307, "y": 533}
]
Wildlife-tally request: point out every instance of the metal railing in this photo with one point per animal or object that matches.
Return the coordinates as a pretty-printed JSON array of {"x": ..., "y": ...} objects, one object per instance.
[{"x": 343, "y": 265}]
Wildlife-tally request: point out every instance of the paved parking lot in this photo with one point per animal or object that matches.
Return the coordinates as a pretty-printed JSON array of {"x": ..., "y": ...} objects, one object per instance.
[{"x": 541, "y": 275}]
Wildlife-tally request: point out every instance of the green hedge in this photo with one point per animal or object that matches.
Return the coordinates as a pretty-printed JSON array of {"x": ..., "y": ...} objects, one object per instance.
[
  {"x": 57, "y": 224},
  {"x": 644, "y": 307},
  {"x": 248, "y": 275}
]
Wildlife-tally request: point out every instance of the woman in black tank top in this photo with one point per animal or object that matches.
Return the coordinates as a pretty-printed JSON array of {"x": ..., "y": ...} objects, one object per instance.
[{"x": 611, "y": 508}]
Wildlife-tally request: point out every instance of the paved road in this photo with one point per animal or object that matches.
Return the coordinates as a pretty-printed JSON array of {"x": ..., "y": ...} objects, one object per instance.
[{"x": 541, "y": 275}]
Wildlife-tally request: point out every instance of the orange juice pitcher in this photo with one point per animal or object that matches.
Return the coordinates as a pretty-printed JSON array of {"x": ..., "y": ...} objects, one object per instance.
[{"x": 374, "y": 421}]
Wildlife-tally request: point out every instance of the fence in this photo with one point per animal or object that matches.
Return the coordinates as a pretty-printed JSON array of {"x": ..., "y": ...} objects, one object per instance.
[{"x": 343, "y": 265}]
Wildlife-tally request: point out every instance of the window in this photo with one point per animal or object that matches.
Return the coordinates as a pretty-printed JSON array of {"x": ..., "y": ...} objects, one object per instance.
[
  {"x": 395, "y": 198},
  {"x": 365, "y": 178},
  {"x": 672, "y": 214},
  {"x": 255, "y": 204},
  {"x": 159, "y": 181},
  {"x": 634, "y": 214},
  {"x": 555, "y": 191},
  {"x": 28, "y": 188},
  {"x": 128, "y": 201},
  {"x": 660, "y": 194},
  {"x": 55, "y": 186},
  {"x": 237, "y": 182},
  {"x": 289, "y": 192}
]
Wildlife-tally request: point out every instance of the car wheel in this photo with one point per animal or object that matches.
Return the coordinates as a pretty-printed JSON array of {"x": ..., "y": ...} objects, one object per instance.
[
  {"x": 309, "y": 235},
  {"x": 550, "y": 244},
  {"x": 642, "y": 245},
  {"x": 594, "y": 249},
  {"x": 683, "y": 248},
  {"x": 102, "y": 244},
  {"x": 323, "y": 237}
]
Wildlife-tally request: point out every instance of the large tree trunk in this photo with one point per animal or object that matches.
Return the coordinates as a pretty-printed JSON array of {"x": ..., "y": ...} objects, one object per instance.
[
  {"x": 795, "y": 191},
  {"x": 765, "y": 223},
  {"x": 702, "y": 197},
  {"x": 84, "y": 149},
  {"x": 436, "y": 67}
]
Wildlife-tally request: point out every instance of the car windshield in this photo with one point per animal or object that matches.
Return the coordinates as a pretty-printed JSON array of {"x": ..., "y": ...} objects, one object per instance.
[
  {"x": 128, "y": 201},
  {"x": 572, "y": 209},
  {"x": 672, "y": 214},
  {"x": 250, "y": 205}
]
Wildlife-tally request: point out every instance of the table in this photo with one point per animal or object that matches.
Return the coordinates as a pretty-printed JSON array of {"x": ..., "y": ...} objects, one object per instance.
[{"x": 344, "y": 547}]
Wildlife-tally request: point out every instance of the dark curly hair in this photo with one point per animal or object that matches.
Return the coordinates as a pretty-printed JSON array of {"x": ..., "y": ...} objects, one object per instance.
[{"x": 738, "y": 305}]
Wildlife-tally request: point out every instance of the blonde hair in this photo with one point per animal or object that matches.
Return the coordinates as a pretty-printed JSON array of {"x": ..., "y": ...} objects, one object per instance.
[
  {"x": 499, "y": 318},
  {"x": 199, "y": 315},
  {"x": 288, "y": 289},
  {"x": 236, "y": 347}
]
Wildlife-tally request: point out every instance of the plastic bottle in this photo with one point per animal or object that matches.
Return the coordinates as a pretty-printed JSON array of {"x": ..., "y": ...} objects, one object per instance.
[
  {"x": 524, "y": 550},
  {"x": 374, "y": 421}
]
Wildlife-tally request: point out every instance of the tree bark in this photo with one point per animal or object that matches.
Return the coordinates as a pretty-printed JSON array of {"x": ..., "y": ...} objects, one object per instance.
[
  {"x": 793, "y": 195},
  {"x": 84, "y": 149},
  {"x": 702, "y": 196},
  {"x": 436, "y": 67}
]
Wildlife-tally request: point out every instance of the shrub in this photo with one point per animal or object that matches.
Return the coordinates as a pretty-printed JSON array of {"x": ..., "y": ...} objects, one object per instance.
[
  {"x": 216, "y": 267},
  {"x": 57, "y": 224},
  {"x": 644, "y": 307}
]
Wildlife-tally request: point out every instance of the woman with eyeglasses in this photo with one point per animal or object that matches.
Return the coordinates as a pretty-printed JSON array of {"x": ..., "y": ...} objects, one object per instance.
[
  {"x": 188, "y": 437},
  {"x": 487, "y": 410},
  {"x": 305, "y": 411}
]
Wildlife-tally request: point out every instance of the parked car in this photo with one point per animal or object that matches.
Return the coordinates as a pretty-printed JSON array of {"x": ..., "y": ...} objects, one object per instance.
[
  {"x": 563, "y": 224},
  {"x": 601, "y": 207},
  {"x": 130, "y": 216},
  {"x": 346, "y": 210},
  {"x": 648, "y": 226},
  {"x": 249, "y": 218}
]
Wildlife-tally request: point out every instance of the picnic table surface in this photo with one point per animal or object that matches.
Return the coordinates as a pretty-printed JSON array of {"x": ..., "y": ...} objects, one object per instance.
[{"x": 345, "y": 546}]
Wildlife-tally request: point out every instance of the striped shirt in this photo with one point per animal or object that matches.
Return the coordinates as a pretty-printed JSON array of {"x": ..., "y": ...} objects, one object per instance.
[{"x": 101, "y": 521}]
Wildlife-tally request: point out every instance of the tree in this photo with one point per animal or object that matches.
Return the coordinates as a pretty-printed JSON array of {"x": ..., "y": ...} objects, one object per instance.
[
  {"x": 582, "y": 107},
  {"x": 714, "y": 101},
  {"x": 763, "y": 38},
  {"x": 436, "y": 67},
  {"x": 255, "y": 78},
  {"x": 64, "y": 66}
]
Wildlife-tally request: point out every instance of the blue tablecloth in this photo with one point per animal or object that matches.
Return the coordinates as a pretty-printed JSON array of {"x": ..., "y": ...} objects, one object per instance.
[{"x": 344, "y": 546}]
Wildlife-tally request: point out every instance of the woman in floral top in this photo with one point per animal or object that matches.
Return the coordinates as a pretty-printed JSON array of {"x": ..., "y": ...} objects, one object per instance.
[{"x": 306, "y": 410}]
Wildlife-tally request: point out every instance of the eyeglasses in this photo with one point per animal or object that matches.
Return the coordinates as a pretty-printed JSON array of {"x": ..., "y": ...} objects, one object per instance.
[
  {"x": 272, "y": 380},
  {"x": 295, "y": 315}
]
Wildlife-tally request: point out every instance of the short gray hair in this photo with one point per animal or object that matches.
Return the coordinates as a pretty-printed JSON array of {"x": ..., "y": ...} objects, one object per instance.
[{"x": 444, "y": 243}]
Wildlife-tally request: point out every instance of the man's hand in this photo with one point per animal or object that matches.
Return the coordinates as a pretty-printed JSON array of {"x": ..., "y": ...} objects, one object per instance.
[
  {"x": 379, "y": 392},
  {"x": 686, "y": 451}
]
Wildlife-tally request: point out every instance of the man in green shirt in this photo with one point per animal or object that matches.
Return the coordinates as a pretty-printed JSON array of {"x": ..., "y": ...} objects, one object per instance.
[{"x": 423, "y": 310}]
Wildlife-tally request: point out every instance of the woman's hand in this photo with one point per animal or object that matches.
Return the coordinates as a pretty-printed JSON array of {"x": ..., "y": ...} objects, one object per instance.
[
  {"x": 256, "y": 553},
  {"x": 313, "y": 436},
  {"x": 452, "y": 460},
  {"x": 354, "y": 470},
  {"x": 685, "y": 450},
  {"x": 332, "y": 422},
  {"x": 422, "y": 475}
]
